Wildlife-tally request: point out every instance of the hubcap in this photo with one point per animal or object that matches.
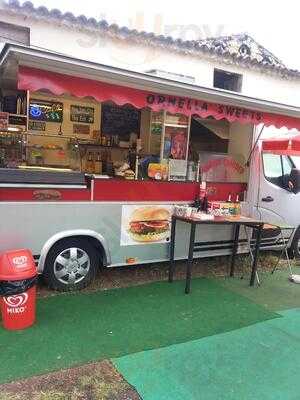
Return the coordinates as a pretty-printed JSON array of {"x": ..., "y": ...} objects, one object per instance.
[{"x": 71, "y": 266}]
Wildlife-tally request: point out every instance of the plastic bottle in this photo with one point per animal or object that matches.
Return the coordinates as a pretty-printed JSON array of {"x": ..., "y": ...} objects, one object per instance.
[{"x": 197, "y": 203}]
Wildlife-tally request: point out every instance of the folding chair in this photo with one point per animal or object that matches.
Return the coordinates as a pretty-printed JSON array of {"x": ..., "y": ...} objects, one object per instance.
[
  {"x": 250, "y": 252},
  {"x": 284, "y": 250},
  {"x": 285, "y": 245}
]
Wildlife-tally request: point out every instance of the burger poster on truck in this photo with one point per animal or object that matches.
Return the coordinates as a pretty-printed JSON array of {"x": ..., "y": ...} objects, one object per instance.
[{"x": 145, "y": 224}]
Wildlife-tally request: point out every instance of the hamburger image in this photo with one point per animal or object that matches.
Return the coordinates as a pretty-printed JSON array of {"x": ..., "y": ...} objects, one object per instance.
[{"x": 149, "y": 224}]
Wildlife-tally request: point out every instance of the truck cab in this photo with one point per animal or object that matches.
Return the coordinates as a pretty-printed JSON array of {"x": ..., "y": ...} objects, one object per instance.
[{"x": 275, "y": 196}]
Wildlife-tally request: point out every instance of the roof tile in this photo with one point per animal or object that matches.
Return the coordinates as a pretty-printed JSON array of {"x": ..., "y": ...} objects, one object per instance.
[{"x": 240, "y": 49}]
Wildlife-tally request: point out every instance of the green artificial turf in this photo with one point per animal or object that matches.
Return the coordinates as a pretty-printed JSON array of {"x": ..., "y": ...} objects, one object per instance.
[
  {"x": 261, "y": 361},
  {"x": 275, "y": 293},
  {"x": 77, "y": 328}
]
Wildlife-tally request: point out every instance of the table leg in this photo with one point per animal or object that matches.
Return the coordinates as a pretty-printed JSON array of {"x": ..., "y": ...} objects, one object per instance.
[
  {"x": 256, "y": 254},
  {"x": 235, "y": 248},
  {"x": 172, "y": 250},
  {"x": 190, "y": 259}
]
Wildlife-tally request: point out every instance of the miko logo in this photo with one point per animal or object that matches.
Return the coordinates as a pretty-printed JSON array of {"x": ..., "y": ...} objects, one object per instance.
[
  {"x": 16, "y": 304},
  {"x": 18, "y": 261}
]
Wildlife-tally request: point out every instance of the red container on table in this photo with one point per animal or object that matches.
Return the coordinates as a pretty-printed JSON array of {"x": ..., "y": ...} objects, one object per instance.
[{"x": 17, "y": 277}]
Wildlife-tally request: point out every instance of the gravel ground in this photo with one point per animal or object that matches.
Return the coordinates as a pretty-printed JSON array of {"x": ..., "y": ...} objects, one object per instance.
[
  {"x": 117, "y": 277},
  {"x": 95, "y": 381}
]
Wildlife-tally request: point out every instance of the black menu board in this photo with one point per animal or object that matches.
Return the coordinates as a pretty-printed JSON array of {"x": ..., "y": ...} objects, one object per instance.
[
  {"x": 116, "y": 120},
  {"x": 82, "y": 114}
]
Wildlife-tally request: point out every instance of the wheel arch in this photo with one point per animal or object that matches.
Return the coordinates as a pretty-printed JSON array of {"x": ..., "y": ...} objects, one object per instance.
[
  {"x": 96, "y": 239},
  {"x": 292, "y": 241}
]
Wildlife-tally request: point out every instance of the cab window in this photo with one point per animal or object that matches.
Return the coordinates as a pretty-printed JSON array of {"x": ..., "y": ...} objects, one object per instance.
[{"x": 277, "y": 169}]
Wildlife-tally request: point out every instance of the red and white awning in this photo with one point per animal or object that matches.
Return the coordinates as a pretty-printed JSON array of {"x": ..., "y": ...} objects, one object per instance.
[
  {"x": 35, "y": 79},
  {"x": 289, "y": 145}
]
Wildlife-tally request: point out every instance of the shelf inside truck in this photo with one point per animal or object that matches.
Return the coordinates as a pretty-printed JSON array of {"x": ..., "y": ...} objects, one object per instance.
[{"x": 19, "y": 176}]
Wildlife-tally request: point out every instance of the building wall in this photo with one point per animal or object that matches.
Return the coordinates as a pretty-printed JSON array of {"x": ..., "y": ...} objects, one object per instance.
[{"x": 139, "y": 57}]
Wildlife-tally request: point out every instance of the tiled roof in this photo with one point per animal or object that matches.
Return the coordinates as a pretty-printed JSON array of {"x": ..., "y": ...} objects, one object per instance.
[{"x": 240, "y": 49}]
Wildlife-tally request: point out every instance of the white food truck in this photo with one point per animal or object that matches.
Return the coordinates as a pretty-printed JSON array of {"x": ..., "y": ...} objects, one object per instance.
[{"x": 94, "y": 158}]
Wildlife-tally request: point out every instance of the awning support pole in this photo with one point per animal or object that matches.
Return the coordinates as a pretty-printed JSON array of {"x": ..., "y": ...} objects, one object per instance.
[{"x": 256, "y": 141}]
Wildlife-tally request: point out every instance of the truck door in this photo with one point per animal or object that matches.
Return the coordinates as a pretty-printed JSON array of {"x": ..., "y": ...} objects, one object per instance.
[{"x": 275, "y": 202}]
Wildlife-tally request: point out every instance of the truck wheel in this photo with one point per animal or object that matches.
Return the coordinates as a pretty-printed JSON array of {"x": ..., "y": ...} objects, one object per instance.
[
  {"x": 295, "y": 247},
  {"x": 70, "y": 265}
]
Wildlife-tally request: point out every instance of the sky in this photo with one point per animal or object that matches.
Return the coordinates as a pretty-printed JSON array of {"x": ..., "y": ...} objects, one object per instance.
[{"x": 274, "y": 24}]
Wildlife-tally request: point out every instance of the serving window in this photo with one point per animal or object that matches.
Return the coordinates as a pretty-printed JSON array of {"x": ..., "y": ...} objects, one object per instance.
[{"x": 71, "y": 134}]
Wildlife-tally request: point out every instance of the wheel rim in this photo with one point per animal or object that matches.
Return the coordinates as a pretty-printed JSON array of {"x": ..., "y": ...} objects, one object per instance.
[{"x": 71, "y": 266}]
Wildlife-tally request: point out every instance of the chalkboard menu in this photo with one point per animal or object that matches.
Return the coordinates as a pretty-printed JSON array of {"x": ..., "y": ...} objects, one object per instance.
[
  {"x": 82, "y": 114},
  {"x": 120, "y": 121},
  {"x": 49, "y": 111}
]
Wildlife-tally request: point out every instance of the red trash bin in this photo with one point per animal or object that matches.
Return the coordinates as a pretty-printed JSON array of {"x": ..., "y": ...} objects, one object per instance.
[{"x": 17, "y": 289}]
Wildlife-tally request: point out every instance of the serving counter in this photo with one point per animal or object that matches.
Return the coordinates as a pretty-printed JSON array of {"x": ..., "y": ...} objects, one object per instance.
[
  {"x": 16, "y": 185},
  {"x": 148, "y": 190}
]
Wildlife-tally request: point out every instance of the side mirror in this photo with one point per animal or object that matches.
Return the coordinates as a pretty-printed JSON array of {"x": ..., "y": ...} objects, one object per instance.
[{"x": 294, "y": 180}]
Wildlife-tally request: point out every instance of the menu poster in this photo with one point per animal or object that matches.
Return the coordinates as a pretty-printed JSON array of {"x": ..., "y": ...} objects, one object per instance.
[
  {"x": 3, "y": 121},
  {"x": 175, "y": 146},
  {"x": 82, "y": 114},
  {"x": 145, "y": 225}
]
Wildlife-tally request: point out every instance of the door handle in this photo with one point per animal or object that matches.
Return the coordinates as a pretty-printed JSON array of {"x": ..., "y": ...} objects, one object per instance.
[{"x": 267, "y": 199}]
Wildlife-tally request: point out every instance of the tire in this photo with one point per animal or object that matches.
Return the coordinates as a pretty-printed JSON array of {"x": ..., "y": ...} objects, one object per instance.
[
  {"x": 295, "y": 247},
  {"x": 71, "y": 264}
]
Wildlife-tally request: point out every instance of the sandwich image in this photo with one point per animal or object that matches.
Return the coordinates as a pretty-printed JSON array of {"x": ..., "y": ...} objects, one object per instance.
[
  {"x": 149, "y": 224},
  {"x": 129, "y": 174}
]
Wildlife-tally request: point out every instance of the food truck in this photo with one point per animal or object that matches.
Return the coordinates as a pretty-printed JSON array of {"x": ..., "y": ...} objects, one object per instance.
[{"x": 94, "y": 158}]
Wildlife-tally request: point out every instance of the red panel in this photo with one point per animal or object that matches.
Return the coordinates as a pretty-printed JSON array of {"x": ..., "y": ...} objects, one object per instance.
[
  {"x": 19, "y": 194},
  {"x": 275, "y": 144},
  {"x": 295, "y": 143},
  {"x": 119, "y": 190},
  {"x": 220, "y": 191},
  {"x": 34, "y": 79},
  {"x": 289, "y": 145}
]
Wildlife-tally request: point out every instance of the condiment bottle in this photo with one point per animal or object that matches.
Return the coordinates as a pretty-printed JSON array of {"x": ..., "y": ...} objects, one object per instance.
[
  {"x": 90, "y": 163},
  {"x": 204, "y": 206},
  {"x": 98, "y": 164},
  {"x": 19, "y": 105},
  {"x": 197, "y": 203}
]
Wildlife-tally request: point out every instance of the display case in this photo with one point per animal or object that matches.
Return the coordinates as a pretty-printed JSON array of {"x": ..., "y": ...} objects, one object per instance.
[
  {"x": 11, "y": 149},
  {"x": 52, "y": 151}
]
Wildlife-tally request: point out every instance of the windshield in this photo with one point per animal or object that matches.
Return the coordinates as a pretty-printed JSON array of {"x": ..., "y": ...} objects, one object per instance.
[{"x": 296, "y": 161}]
